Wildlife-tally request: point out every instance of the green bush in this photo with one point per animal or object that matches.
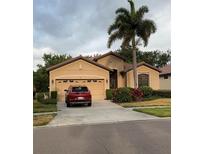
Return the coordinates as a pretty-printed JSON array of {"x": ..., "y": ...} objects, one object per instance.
[
  {"x": 121, "y": 95},
  {"x": 109, "y": 94},
  {"x": 40, "y": 97},
  {"x": 162, "y": 93},
  {"x": 54, "y": 94},
  {"x": 49, "y": 101},
  {"x": 147, "y": 91}
]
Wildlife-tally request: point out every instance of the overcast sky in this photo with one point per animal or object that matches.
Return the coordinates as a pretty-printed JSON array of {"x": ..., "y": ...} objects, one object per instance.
[{"x": 80, "y": 26}]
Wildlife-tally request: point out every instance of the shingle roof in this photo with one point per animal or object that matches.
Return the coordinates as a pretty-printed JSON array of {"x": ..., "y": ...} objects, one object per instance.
[
  {"x": 130, "y": 67},
  {"x": 75, "y": 59},
  {"x": 109, "y": 53},
  {"x": 166, "y": 69}
]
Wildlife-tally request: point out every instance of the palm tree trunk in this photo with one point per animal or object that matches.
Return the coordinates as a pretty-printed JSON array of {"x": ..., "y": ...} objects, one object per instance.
[{"x": 134, "y": 61}]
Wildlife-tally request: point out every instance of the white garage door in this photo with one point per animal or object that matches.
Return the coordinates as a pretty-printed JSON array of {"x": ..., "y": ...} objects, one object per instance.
[{"x": 96, "y": 86}]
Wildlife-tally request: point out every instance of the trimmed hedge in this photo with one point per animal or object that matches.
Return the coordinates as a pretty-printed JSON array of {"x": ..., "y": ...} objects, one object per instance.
[
  {"x": 49, "y": 101},
  {"x": 147, "y": 91},
  {"x": 43, "y": 97},
  {"x": 54, "y": 94},
  {"x": 121, "y": 95},
  {"x": 162, "y": 93},
  {"x": 109, "y": 94}
]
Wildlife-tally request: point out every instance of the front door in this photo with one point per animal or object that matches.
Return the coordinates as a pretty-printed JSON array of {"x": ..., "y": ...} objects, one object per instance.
[{"x": 113, "y": 79}]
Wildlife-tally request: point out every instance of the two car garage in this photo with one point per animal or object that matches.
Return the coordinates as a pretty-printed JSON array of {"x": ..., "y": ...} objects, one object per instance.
[
  {"x": 79, "y": 71},
  {"x": 96, "y": 87}
]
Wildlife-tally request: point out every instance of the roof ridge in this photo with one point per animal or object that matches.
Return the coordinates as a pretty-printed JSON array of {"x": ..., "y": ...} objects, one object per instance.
[
  {"x": 109, "y": 53},
  {"x": 143, "y": 63},
  {"x": 74, "y": 59}
]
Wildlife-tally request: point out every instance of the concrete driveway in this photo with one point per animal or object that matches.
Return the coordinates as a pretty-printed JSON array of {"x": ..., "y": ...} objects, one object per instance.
[{"x": 100, "y": 112}]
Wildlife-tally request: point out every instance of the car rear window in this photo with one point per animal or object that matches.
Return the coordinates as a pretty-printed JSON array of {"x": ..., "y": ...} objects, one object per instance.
[{"x": 79, "y": 89}]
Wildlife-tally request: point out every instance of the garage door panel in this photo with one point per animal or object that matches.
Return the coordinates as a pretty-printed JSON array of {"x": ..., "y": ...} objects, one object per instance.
[{"x": 95, "y": 86}]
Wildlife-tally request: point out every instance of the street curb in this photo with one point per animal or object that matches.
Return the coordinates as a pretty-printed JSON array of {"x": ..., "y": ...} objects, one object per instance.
[
  {"x": 142, "y": 107},
  {"x": 43, "y": 113},
  {"x": 111, "y": 122}
]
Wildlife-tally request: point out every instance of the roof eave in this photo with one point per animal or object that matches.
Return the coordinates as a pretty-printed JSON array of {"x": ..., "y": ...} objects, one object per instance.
[
  {"x": 75, "y": 59},
  {"x": 109, "y": 53},
  {"x": 145, "y": 64}
]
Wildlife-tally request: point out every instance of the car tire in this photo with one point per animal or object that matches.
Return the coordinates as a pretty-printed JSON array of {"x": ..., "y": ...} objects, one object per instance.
[
  {"x": 89, "y": 104},
  {"x": 68, "y": 105}
]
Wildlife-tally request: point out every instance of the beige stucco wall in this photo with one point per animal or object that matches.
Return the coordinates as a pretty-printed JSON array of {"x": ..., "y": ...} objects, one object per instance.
[
  {"x": 153, "y": 77},
  {"x": 114, "y": 62},
  {"x": 79, "y": 69},
  {"x": 165, "y": 84}
]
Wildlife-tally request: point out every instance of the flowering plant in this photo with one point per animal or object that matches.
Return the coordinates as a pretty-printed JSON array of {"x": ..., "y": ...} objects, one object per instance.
[{"x": 137, "y": 94}]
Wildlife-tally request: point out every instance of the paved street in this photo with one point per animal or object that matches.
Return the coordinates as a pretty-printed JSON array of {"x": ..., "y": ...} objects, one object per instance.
[{"x": 133, "y": 137}]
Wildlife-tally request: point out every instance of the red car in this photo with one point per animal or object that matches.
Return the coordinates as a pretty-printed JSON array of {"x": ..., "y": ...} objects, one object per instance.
[{"x": 78, "y": 95}]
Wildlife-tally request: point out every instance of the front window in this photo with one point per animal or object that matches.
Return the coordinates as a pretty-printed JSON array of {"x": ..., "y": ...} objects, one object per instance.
[
  {"x": 143, "y": 80},
  {"x": 165, "y": 76}
]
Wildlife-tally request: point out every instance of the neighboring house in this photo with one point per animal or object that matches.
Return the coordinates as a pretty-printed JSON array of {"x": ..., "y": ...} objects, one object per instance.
[
  {"x": 165, "y": 77},
  {"x": 108, "y": 71}
]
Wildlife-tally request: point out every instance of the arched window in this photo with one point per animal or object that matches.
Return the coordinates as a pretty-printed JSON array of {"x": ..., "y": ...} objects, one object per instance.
[{"x": 143, "y": 80}]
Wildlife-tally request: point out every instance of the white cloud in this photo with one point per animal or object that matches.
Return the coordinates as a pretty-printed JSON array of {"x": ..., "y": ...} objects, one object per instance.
[
  {"x": 38, "y": 54},
  {"x": 77, "y": 27}
]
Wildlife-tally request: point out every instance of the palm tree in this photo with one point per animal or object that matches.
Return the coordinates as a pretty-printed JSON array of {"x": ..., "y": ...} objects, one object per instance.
[{"x": 132, "y": 28}]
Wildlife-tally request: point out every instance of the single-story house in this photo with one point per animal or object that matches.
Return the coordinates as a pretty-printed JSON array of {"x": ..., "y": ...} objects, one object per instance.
[
  {"x": 165, "y": 77},
  {"x": 107, "y": 71}
]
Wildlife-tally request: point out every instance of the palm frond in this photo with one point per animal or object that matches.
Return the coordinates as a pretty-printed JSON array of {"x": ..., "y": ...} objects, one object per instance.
[
  {"x": 147, "y": 28},
  {"x": 132, "y": 6},
  {"x": 122, "y": 11},
  {"x": 113, "y": 37},
  {"x": 149, "y": 25},
  {"x": 122, "y": 19},
  {"x": 112, "y": 28},
  {"x": 141, "y": 11},
  {"x": 126, "y": 41},
  {"x": 129, "y": 24}
]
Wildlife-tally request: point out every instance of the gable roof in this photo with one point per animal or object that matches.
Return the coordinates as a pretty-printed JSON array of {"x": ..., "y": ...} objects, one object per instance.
[
  {"x": 130, "y": 67},
  {"x": 75, "y": 59},
  {"x": 107, "y": 54},
  {"x": 166, "y": 69}
]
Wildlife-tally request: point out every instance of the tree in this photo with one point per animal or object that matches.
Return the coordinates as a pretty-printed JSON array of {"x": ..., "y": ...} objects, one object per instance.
[
  {"x": 52, "y": 59},
  {"x": 131, "y": 28},
  {"x": 156, "y": 58},
  {"x": 40, "y": 76},
  {"x": 40, "y": 79}
]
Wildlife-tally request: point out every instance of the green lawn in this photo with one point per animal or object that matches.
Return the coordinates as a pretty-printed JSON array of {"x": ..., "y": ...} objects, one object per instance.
[
  {"x": 155, "y": 102},
  {"x": 39, "y": 107},
  {"x": 40, "y": 120},
  {"x": 159, "y": 112}
]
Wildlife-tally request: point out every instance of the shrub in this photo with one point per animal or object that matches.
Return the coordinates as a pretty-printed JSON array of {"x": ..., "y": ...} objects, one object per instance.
[
  {"x": 49, "y": 101},
  {"x": 46, "y": 95},
  {"x": 40, "y": 97},
  {"x": 137, "y": 94},
  {"x": 162, "y": 93},
  {"x": 147, "y": 91},
  {"x": 109, "y": 94},
  {"x": 54, "y": 94},
  {"x": 122, "y": 95}
]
